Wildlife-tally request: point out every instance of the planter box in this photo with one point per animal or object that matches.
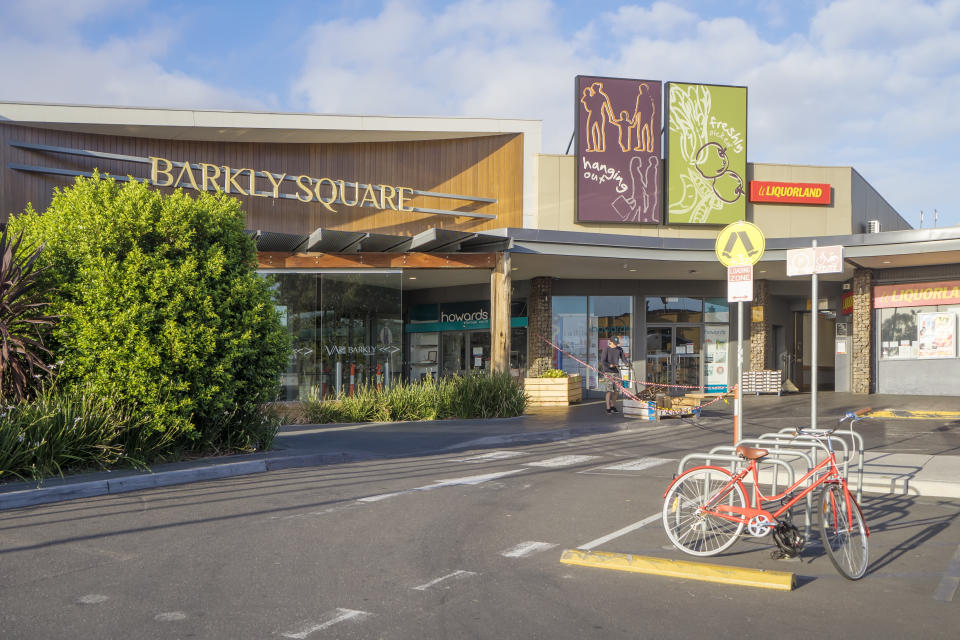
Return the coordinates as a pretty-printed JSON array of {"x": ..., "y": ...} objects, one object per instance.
[{"x": 553, "y": 392}]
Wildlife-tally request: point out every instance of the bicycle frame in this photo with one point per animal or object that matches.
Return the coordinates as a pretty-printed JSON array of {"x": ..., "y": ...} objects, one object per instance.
[{"x": 830, "y": 474}]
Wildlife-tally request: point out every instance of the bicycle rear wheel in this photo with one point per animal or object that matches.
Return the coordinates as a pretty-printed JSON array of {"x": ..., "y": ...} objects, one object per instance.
[
  {"x": 688, "y": 526},
  {"x": 842, "y": 532}
]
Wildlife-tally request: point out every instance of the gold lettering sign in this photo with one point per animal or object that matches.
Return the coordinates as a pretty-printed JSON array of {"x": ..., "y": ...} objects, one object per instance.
[{"x": 326, "y": 191}]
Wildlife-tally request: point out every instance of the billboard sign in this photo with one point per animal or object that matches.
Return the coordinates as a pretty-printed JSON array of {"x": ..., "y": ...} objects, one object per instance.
[
  {"x": 618, "y": 150},
  {"x": 707, "y": 153}
]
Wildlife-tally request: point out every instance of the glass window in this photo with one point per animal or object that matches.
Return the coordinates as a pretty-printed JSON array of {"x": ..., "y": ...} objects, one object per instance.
[
  {"x": 296, "y": 299},
  {"x": 361, "y": 330},
  {"x": 663, "y": 309},
  {"x": 898, "y": 332},
  {"x": 609, "y": 316},
  {"x": 570, "y": 333},
  {"x": 346, "y": 329},
  {"x": 716, "y": 310}
]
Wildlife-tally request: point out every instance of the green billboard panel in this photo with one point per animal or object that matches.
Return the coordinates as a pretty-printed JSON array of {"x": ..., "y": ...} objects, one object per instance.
[{"x": 706, "y": 153}]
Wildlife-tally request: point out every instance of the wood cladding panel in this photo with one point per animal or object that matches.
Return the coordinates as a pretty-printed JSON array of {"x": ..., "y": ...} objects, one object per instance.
[{"x": 488, "y": 167}]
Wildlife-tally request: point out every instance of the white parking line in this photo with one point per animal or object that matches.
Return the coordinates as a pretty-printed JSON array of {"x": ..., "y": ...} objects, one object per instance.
[
  {"x": 561, "y": 461},
  {"x": 525, "y": 549},
  {"x": 620, "y": 532},
  {"x": 332, "y": 618},
  {"x": 443, "y": 483},
  {"x": 493, "y": 455},
  {"x": 456, "y": 574}
]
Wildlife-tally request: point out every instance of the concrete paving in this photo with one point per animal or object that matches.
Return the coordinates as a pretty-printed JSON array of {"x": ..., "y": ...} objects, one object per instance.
[{"x": 904, "y": 454}]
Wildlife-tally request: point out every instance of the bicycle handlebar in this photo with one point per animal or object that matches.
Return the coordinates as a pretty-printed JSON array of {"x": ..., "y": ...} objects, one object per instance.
[{"x": 852, "y": 416}]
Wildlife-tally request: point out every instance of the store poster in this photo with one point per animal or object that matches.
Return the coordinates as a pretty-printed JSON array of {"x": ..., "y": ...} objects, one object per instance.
[
  {"x": 706, "y": 153},
  {"x": 715, "y": 366},
  {"x": 936, "y": 335}
]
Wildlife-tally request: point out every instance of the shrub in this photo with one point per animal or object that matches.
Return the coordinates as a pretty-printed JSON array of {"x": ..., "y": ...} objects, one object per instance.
[
  {"x": 59, "y": 431},
  {"x": 554, "y": 373},
  {"x": 477, "y": 396},
  {"x": 161, "y": 306},
  {"x": 21, "y": 319},
  {"x": 493, "y": 395}
]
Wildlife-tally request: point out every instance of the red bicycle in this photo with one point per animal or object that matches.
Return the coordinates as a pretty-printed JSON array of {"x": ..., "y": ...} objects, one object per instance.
[{"x": 706, "y": 508}]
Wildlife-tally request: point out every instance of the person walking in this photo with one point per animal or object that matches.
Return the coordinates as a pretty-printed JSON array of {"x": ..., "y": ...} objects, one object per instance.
[{"x": 610, "y": 368}]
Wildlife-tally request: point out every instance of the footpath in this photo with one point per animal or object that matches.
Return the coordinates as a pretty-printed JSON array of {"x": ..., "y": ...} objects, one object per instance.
[{"x": 912, "y": 447}]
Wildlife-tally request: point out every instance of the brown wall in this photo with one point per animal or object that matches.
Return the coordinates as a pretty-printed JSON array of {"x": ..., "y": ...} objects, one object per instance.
[{"x": 489, "y": 167}]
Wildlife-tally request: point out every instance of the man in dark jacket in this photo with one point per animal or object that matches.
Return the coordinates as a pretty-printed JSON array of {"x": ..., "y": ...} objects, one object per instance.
[{"x": 609, "y": 366}]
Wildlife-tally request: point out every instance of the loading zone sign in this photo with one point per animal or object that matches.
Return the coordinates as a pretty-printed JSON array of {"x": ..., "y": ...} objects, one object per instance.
[{"x": 740, "y": 283}]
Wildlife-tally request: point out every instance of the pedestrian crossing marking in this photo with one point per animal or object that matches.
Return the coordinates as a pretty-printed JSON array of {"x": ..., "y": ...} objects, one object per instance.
[{"x": 561, "y": 461}]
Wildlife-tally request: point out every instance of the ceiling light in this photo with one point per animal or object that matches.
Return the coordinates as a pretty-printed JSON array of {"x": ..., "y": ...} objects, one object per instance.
[
  {"x": 762, "y": 271},
  {"x": 886, "y": 262},
  {"x": 632, "y": 269},
  {"x": 413, "y": 277}
]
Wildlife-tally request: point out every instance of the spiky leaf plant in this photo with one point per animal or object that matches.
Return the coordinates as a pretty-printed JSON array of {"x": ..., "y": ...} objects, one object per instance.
[{"x": 21, "y": 319}]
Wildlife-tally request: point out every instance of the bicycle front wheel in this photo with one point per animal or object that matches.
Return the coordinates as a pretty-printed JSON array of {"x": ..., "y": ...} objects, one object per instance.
[
  {"x": 842, "y": 532},
  {"x": 690, "y": 527}
]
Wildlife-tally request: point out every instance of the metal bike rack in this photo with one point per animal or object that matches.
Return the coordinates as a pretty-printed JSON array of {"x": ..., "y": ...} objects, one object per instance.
[
  {"x": 801, "y": 439},
  {"x": 859, "y": 450},
  {"x": 709, "y": 457},
  {"x": 807, "y": 521}
]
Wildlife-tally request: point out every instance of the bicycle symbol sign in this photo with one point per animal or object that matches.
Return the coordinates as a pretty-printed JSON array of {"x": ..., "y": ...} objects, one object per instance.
[{"x": 740, "y": 244}]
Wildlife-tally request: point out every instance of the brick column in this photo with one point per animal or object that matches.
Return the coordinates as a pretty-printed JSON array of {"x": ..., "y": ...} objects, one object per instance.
[
  {"x": 761, "y": 335},
  {"x": 540, "y": 319},
  {"x": 862, "y": 359}
]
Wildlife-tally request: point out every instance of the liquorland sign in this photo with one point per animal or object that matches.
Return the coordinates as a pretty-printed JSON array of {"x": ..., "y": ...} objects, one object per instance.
[
  {"x": 789, "y": 192},
  {"x": 917, "y": 294}
]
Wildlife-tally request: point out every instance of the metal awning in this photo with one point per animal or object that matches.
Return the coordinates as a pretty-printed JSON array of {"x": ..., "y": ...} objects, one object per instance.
[{"x": 335, "y": 241}]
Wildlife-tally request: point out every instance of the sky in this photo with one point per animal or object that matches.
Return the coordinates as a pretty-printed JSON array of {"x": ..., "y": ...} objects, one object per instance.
[{"x": 871, "y": 84}]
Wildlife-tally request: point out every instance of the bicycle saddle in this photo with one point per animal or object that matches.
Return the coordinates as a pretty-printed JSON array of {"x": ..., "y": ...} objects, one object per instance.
[{"x": 750, "y": 453}]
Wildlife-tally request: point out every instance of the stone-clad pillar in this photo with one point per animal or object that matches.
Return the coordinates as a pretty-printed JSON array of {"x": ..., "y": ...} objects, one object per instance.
[
  {"x": 862, "y": 358},
  {"x": 540, "y": 323},
  {"x": 761, "y": 335}
]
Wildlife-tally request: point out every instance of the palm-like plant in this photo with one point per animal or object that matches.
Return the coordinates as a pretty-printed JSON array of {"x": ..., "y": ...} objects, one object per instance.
[{"x": 21, "y": 320}]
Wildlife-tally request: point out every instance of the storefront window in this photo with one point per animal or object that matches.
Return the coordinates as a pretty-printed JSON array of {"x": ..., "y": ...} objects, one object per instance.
[
  {"x": 570, "y": 333},
  {"x": 918, "y": 332},
  {"x": 672, "y": 309},
  {"x": 609, "y": 316},
  {"x": 361, "y": 330},
  {"x": 716, "y": 310},
  {"x": 346, "y": 330}
]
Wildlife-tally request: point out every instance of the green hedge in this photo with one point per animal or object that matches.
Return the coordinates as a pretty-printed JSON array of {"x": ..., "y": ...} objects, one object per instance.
[
  {"x": 494, "y": 395},
  {"x": 161, "y": 307}
]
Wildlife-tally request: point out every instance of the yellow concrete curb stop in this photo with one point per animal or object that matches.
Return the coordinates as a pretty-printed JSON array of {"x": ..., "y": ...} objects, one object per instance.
[{"x": 779, "y": 580}]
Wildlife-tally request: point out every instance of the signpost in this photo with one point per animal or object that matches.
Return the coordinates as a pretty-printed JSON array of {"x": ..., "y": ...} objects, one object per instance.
[
  {"x": 739, "y": 246},
  {"x": 814, "y": 261}
]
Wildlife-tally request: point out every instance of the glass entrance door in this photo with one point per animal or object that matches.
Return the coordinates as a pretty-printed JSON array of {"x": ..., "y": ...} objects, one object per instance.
[
  {"x": 687, "y": 365},
  {"x": 673, "y": 356},
  {"x": 453, "y": 346},
  {"x": 660, "y": 355},
  {"x": 478, "y": 358}
]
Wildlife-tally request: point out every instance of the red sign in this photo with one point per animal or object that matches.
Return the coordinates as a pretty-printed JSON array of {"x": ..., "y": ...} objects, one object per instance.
[
  {"x": 846, "y": 303},
  {"x": 789, "y": 192},
  {"x": 918, "y": 294}
]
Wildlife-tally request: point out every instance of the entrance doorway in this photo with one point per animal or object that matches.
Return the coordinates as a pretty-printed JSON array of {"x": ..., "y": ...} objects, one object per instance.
[
  {"x": 673, "y": 356},
  {"x": 464, "y": 352}
]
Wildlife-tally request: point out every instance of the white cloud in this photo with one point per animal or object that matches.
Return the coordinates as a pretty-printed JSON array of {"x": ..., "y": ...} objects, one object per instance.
[
  {"x": 855, "y": 83},
  {"x": 48, "y": 60}
]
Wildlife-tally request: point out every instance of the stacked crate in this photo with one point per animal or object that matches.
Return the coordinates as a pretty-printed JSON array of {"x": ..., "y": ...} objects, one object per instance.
[{"x": 762, "y": 382}]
